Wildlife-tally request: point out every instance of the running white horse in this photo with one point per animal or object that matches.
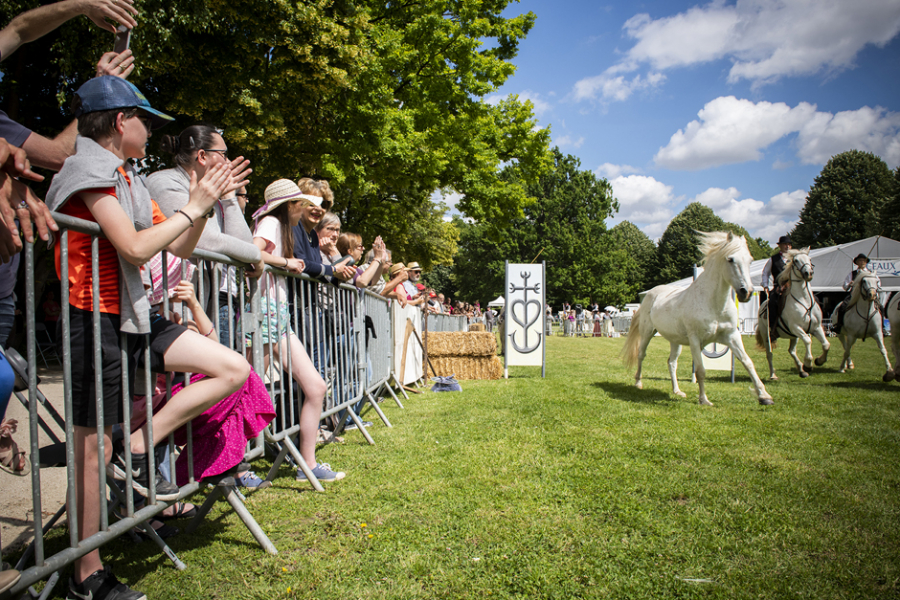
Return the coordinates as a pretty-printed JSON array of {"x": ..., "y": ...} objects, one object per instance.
[
  {"x": 893, "y": 315},
  {"x": 698, "y": 315},
  {"x": 862, "y": 320},
  {"x": 801, "y": 317}
]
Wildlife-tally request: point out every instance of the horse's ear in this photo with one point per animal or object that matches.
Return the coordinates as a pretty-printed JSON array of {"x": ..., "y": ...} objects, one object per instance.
[
  {"x": 730, "y": 236},
  {"x": 805, "y": 250}
]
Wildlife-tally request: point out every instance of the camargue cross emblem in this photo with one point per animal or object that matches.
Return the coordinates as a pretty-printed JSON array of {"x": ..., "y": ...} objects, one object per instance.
[{"x": 525, "y": 304}]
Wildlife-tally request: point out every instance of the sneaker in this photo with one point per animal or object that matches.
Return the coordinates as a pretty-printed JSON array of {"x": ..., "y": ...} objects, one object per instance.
[
  {"x": 351, "y": 426},
  {"x": 165, "y": 490},
  {"x": 323, "y": 472},
  {"x": 102, "y": 585},
  {"x": 250, "y": 480}
]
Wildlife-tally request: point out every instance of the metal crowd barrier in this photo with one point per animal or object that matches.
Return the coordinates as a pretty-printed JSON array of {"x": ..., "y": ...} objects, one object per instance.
[
  {"x": 347, "y": 333},
  {"x": 445, "y": 322},
  {"x": 621, "y": 324}
]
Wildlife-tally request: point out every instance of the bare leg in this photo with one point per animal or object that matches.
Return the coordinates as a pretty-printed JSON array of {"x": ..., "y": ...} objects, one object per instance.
[
  {"x": 674, "y": 353},
  {"x": 87, "y": 494},
  {"x": 305, "y": 374},
  {"x": 226, "y": 372}
]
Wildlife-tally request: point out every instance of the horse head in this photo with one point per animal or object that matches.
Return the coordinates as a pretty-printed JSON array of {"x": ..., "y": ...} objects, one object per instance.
[
  {"x": 728, "y": 252},
  {"x": 802, "y": 265},
  {"x": 868, "y": 286}
]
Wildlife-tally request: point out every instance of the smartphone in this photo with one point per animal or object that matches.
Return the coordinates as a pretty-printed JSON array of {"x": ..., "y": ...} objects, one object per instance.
[
  {"x": 344, "y": 261},
  {"x": 123, "y": 39}
]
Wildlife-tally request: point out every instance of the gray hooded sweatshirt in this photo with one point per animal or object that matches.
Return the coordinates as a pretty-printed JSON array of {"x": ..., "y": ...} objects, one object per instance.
[{"x": 93, "y": 167}]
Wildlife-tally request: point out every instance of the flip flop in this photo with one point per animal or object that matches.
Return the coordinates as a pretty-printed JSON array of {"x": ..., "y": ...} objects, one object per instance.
[
  {"x": 11, "y": 457},
  {"x": 180, "y": 513}
]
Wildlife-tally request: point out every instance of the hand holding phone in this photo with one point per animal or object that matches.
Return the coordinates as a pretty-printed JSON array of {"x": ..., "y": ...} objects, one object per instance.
[{"x": 123, "y": 39}]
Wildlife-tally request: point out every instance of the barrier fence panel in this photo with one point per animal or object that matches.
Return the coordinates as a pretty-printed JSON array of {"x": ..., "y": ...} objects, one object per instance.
[
  {"x": 378, "y": 345},
  {"x": 445, "y": 322}
]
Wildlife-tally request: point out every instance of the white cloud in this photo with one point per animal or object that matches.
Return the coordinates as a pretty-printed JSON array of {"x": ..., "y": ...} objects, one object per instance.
[
  {"x": 566, "y": 141},
  {"x": 611, "y": 171},
  {"x": 731, "y": 130},
  {"x": 768, "y": 220},
  {"x": 764, "y": 40},
  {"x": 644, "y": 201}
]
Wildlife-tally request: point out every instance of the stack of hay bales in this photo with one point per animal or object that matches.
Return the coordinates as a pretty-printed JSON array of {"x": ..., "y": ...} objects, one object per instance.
[
  {"x": 468, "y": 355},
  {"x": 476, "y": 327}
]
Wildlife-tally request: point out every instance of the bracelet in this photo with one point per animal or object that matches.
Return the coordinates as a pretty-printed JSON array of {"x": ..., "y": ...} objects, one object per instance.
[
  {"x": 210, "y": 214},
  {"x": 186, "y": 215},
  {"x": 286, "y": 262},
  {"x": 211, "y": 329}
]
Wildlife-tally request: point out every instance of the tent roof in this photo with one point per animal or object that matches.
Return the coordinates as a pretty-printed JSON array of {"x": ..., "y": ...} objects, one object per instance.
[
  {"x": 833, "y": 263},
  {"x": 500, "y": 301}
]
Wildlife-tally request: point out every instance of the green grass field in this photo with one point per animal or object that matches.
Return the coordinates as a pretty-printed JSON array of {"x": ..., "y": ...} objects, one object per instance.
[{"x": 579, "y": 486}]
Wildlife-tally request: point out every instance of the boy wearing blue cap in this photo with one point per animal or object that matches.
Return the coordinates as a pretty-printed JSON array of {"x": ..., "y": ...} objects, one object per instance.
[{"x": 99, "y": 184}]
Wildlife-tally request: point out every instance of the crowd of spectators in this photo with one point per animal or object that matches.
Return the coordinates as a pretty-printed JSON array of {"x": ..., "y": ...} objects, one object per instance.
[{"x": 198, "y": 203}]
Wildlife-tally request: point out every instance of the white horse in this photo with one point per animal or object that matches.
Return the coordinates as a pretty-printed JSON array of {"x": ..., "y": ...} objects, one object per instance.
[
  {"x": 800, "y": 318},
  {"x": 701, "y": 314},
  {"x": 861, "y": 320},
  {"x": 893, "y": 315}
]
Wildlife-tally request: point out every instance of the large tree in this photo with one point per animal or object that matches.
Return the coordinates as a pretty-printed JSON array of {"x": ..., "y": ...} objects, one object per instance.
[
  {"x": 678, "y": 249},
  {"x": 383, "y": 99},
  {"x": 845, "y": 202},
  {"x": 641, "y": 248},
  {"x": 565, "y": 227},
  {"x": 890, "y": 212}
]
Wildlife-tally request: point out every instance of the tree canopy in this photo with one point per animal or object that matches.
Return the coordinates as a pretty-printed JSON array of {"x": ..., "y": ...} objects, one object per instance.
[
  {"x": 846, "y": 201},
  {"x": 565, "y": 227},
  {"x": 641, "y": 248},
  {"x": 383, "y": 99}
]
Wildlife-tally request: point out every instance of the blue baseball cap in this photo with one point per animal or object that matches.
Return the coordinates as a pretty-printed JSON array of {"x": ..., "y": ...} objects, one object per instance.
[{"x": 109, "y": 92}]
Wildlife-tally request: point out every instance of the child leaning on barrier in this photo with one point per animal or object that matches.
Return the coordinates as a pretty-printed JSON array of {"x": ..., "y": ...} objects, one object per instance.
[
  {"x": 275, "y": 227},
  {"x": 98, "y": 183},
  {"x": 221, "y": 433}
]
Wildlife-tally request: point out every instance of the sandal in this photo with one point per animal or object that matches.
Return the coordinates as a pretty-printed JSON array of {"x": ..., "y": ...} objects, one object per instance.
[
  {"x": 12, "y": 460},
  {"x": 180, "y": 513}
]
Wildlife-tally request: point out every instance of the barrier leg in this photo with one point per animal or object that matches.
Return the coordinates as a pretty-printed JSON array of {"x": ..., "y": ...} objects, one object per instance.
[
  {"x": 359, "y": 426},
  {"x": 387, "y": 387},
  {"x": 378, "y": 409}
]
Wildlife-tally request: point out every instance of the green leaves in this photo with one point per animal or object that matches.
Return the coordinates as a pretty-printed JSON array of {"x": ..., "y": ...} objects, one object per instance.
[{"x": 847, "y": 202}]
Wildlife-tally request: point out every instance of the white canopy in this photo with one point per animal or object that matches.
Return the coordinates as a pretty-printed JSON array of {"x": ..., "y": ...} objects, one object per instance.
[
  {"x": 832, "y": 264},
  {"x": 500, "y": 301}
]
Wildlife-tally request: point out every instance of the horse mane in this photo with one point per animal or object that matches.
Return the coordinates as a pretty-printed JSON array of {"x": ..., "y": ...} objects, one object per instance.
[
  {"x": 717, "y": 245},
  {"x": 785, "y": 275}
]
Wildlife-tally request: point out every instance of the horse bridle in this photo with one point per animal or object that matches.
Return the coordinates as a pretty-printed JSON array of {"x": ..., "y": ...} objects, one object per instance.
[
  {"x": 868, "y": 316},
  {"x": 781, "y": 322}
]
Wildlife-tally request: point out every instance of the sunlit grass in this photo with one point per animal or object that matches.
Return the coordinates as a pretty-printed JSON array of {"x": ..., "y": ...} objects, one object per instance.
[{"x": 579, "y": 486}]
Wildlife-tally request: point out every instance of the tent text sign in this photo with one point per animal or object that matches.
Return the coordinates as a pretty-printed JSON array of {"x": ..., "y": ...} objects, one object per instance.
[{"x": 885, "y": 267}]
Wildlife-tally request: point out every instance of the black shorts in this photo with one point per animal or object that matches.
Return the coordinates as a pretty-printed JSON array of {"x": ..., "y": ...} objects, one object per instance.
[
  {"x": 84, "y": 392},
  {"x": 163, "y": 334}
]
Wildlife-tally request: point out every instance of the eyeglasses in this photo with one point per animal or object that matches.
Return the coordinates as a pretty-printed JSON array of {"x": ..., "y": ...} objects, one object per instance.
[
  {"x": 224, "y": 153},
  {"x": 245, "y": 195},
  {"x": 360, "y": 247},
  {"x": 334, "y": 229}
]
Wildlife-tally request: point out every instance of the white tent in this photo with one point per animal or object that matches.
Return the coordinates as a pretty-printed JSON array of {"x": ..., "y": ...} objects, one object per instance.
[
  {"x": 832, "y": 264},
  {"x": 500, "y": 301}
]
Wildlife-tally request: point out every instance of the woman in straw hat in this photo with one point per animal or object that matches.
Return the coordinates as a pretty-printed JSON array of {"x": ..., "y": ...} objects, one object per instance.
[{"x": 274, "y": 238}]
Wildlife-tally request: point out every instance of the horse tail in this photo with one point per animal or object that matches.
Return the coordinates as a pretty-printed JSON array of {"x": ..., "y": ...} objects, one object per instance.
[
  {"x": 631, "y": 349},
  {"x": 760, "y": 343}
]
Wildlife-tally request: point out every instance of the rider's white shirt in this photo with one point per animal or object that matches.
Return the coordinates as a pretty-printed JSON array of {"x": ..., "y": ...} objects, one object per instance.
[{"x": 848, "y": 282}]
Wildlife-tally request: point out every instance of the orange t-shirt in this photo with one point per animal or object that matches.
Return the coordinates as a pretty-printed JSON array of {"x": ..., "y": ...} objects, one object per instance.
[{"x": 81, "y": 291}]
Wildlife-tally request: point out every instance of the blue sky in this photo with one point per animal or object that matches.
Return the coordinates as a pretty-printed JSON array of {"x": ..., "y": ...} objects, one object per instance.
[{"x": 737, "y": 105}]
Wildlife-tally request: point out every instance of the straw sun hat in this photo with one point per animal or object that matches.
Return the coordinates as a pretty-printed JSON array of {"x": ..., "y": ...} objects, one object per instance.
[
  {"x": 281, "y": 191},
  {"x": 396, "y": 268}
]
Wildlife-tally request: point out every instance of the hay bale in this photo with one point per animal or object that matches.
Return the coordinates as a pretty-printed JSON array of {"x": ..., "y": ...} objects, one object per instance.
[
  {"x": 461, "y": 343},
  {"x": 471, "y": 367},
  {"x": 476, "y": 327}
]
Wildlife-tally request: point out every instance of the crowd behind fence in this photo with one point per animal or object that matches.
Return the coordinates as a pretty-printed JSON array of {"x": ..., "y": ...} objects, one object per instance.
[{"x": 346, "y": 332}]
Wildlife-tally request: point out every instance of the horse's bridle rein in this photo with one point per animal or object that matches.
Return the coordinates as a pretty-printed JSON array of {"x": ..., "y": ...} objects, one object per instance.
[
  {"x": 812, "y": 301},
  {"x": 868, "y": 316}
]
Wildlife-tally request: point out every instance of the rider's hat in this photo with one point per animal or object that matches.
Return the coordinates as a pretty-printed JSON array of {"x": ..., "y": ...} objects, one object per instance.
[
  {"x": 785, "y": 239},
  {"x": 861, "y": 256}
]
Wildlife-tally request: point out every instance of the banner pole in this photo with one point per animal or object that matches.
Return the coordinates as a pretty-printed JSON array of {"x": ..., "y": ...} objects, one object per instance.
[
  {"x": 544, "y": 319},
  {"x": 505, "y": 319}
]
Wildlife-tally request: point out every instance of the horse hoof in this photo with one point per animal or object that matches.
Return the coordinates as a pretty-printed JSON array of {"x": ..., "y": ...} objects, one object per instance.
[
  {"x": 888, "y": 377},
  {"x": 639, "y": 385},
  {"x": 681, "y": 394},
  {"x": 705, "y": 402},
  {"x": 766, "y": 401},
  {"x": 773, "y": 378},
  {"x": 803, "y": 374},
  {"x": 821, "y": 361},
  {"x": 808, "y": 369}
]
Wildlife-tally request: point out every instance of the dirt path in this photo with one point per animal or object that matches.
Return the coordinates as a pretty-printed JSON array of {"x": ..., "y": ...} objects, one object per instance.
[{"x": 16, "y": 511}]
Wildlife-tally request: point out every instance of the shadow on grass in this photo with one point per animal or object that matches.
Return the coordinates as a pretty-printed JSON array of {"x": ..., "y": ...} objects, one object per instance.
[
  {"x": 868, "y": 385},
  {"x": 629, "y": 393}
]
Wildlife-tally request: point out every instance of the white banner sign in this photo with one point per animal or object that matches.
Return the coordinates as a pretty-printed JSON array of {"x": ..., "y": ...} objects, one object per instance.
[
  {"x": 524, "y": 318},
  {"x": 885, "y": 267}
]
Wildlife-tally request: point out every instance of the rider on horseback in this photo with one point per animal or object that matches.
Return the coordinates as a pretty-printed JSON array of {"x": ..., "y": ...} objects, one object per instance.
[
  {"x": 774, "y": 268},
  {"x": 861, "y": 262}
]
